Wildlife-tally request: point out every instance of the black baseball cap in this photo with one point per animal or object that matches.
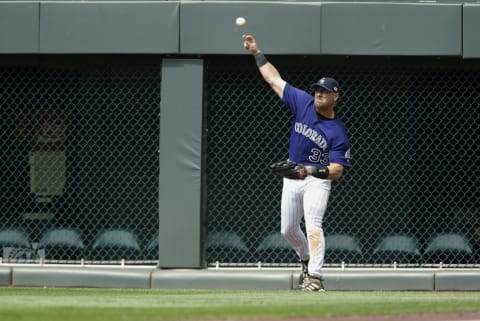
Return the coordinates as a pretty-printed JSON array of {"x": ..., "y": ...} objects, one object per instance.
[{"x": 328, "y": 83}]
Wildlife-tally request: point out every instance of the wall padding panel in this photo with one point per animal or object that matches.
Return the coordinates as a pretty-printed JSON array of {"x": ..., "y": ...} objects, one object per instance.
[
  {"x": 19, "y": 27},
  {"x": 280, "y": 28},
  {"x": 471, "y": 26},
  {"x": 109, "y": 27},
  {"x": 180, "y": 163},
  {"x": 81, "y": 277},
  {"x": 391, "y": 29}
]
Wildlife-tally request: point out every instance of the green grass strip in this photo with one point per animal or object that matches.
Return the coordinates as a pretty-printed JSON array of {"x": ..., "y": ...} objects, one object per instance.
[{"x": 52, "y": 304}]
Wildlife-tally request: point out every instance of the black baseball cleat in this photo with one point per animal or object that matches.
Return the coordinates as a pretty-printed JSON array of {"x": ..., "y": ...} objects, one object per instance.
[
  {"x": 312, "y": 284},
  {"x": 303, "y": 274}
]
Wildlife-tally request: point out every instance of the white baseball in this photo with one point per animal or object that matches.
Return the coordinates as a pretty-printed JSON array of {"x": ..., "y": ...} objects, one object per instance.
[{"x": 240, "y": 21}]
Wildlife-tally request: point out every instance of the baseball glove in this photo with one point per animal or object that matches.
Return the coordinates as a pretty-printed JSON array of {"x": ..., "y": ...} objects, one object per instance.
[{"x": 289, "y": 169}]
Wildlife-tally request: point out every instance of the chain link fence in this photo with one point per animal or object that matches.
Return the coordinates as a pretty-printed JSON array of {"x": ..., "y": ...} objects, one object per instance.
[
  {"x": 79, "y": 165},
  {"x": 411, "y": 196}
]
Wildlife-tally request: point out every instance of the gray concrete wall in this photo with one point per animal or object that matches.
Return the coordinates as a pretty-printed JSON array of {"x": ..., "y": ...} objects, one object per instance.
[
  {"x": 207, "y": 27},
  {"x": 238, "y": 279}
]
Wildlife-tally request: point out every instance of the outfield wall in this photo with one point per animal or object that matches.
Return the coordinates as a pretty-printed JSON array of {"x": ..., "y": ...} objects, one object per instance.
[
  {"x": 207, "y": 27},
  {"x": 237, "y": 279},
  {"x": 161, "y": 103}
]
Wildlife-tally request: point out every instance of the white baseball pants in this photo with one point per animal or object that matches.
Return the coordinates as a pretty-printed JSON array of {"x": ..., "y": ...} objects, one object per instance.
[{"x": 306, "y": 198}]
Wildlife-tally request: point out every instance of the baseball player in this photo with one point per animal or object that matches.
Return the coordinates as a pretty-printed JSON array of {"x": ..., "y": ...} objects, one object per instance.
[{"x": 318, "y": 153}]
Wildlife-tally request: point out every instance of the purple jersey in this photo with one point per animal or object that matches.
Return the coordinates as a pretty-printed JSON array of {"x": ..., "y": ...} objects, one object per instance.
[{"x": 314, "y": 140}]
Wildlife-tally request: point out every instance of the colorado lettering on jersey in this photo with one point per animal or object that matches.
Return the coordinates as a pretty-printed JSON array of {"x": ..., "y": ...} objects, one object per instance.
[{"x": 311, "y": 134}]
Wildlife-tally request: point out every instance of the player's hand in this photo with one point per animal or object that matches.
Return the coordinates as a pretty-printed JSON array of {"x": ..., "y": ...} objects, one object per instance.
[
  {"x": 289, "y": 169},
  {"x": 250, "y": 44}
]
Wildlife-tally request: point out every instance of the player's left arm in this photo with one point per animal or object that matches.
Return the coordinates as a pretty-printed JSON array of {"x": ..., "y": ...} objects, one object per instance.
[
  {"x": 332, "y": 172},
  {"x": 335, "y": 171}
]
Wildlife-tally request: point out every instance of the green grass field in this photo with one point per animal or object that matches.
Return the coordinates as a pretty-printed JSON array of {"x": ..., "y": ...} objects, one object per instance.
[{"x": 141, "y": 305}]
